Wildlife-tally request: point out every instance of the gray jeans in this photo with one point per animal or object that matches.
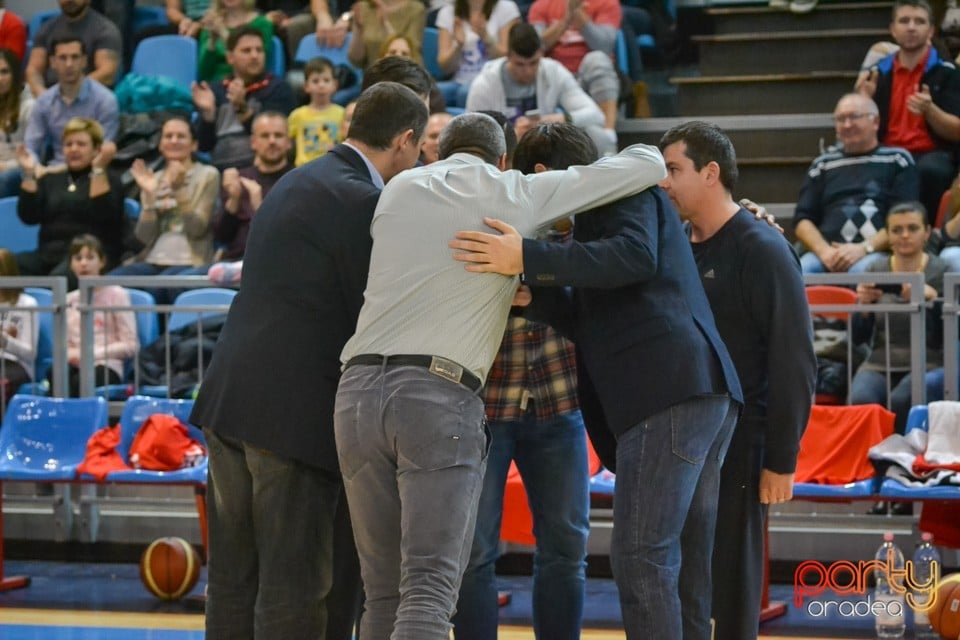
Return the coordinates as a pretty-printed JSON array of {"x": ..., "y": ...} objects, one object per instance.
[{"x": 412, "y": 449}]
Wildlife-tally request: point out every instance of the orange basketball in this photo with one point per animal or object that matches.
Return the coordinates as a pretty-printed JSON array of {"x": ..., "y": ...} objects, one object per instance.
[
  {"x": 169, "y": 568},
  {"x": 945, "y": 613}
]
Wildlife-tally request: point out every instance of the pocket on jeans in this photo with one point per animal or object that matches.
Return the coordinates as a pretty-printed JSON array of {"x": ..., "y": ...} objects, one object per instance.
[
  {"x": 692, "y": 433},
  {"x": 441, "y": 435}
]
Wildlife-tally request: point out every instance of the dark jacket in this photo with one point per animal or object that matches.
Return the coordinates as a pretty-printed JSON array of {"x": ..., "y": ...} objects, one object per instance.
[
  {"x": 643, "y": 327},
  {"x": 940, "y": 75},
  {"x": 276, "y": 367}
]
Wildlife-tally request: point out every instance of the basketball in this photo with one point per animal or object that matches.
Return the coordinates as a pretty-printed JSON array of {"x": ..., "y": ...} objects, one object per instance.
[
  {"x": 169, "y": 568},
  {"x": 945, "y": 613}
]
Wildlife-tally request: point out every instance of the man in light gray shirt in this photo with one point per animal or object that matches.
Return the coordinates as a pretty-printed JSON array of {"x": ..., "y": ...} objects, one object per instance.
[{"x": 408, "y": 420}]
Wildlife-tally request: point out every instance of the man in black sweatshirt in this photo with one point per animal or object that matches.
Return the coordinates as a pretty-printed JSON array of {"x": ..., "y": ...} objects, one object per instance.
[{"x": 753, "y": 280}]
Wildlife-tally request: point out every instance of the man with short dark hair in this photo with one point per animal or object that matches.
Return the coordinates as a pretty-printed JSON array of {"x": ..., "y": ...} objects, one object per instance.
[
  {"x": 753, "y": 281},
  {"x": 74, "y": 95},
  {"x": 102, "y": 45},
  {"x": 918, "y": 95},
  {"x": 266, "y": 403},
  {"x": 529, "y": 89},
  {"x": 227, "y": 109},
  {"x": 408, "y": 421}
]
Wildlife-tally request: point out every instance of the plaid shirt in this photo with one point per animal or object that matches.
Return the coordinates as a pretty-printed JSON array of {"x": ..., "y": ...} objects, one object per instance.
[{"x": 534, "y": 364}]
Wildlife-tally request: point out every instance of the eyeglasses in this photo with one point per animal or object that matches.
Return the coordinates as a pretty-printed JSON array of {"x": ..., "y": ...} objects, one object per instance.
[{"x": 850, "y": 117}]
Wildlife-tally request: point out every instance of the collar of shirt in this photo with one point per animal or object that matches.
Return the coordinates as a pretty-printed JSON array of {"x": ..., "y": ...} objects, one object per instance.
[
  {"x": 374, "y": 174},
  {"x": 82, "y": 95}
]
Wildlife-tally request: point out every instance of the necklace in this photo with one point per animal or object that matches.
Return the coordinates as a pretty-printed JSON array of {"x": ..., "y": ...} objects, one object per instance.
[{"x": 73, "y": 185}]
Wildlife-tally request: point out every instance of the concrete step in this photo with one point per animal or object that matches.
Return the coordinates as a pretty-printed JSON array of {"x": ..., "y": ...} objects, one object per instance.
[
  {"x": 785, "y": 51},
  {"x": 815, "y": 92},
  {"x": 753, "y": 137},
  {"x": 776, "y": 179},
  {"x": 761, "y": 18}
]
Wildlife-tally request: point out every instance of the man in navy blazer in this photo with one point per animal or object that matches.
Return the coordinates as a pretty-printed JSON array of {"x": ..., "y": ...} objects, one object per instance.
[
  {"x": 266, "y": 403},
  {"x": 666, "y": 386}
]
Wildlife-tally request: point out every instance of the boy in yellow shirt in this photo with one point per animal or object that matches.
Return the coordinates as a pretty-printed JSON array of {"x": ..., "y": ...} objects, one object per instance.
[{"x": 317, "y": 127}]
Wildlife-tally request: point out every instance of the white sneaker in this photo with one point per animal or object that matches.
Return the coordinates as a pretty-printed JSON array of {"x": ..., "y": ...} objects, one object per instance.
[{"x": 802, "y": 6}]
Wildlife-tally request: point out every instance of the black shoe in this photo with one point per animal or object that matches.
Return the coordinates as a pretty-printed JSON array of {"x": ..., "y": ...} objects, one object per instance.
[
  {"x": 901, "y": 508},
  {"x": 879, "y": 509}
]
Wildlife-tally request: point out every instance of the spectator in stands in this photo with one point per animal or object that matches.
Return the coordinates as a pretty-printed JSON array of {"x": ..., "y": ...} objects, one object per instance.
[
  {"x": 114, "y": 332},
  {"x": 529, "y": 89},
  {"x": 317, "y": 127},
  {"x": 176, "y": 207},
  {"x": 431, "y": 137},
  {"x": 397, "y": 46},
  {"x": 530, "y": 400},
  {"x": 84, "y": 198},
  {"x": 74, "y": 95},
  {"x": 918, "y": 96},
  {"x": 950, "y": 252},
  {"x": 471, "y": 33},
  {"x": 374, "y": 21},
  {"x": 13, "y": 33},
  {"x": 16, "y": 104},
  {"x": 18, "y": 333},
  {"x": 909, "y": 230},
  {"x": 101, "y": 45},
  {"x": 243, "y": 190},
  {"x": 755, "y": 287},
  {"x": 228, "y": 108},
  {"x": 224, "y": 18},
  {"x": 582, "y": 36},
  {"x": 292, "y": 19},
  {"x": 184, "y": 18},
  {"x": 847, "y": 192}
]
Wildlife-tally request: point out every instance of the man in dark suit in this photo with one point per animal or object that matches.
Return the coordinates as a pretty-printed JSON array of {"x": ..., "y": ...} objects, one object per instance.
[
  {"x": 266, "y": 404},
  {"x": 665, "y": 383}
]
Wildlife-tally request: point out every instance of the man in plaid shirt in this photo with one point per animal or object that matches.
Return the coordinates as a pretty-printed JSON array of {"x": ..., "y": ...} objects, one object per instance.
[{"x": 533, "y": 416}]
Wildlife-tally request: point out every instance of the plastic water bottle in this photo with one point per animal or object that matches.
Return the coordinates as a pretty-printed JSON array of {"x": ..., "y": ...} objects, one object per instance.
[
  {"x": 926, "y": 565},
  {"x": 890, "y": 617}
]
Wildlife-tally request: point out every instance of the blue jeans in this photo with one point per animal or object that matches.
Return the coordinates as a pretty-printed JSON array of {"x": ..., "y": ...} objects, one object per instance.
[
  {"x": 552, "y": 460},
  {"x": 10, "y": 183},
  {"x": 870, "y": 387},
  {"x": 665, "y": 508},
  {"x": 951, "y": 255},
  {"x": 810, "y": 263},
  {"x": 412, "y": 449},
  {"x": 271, "y": 533}
]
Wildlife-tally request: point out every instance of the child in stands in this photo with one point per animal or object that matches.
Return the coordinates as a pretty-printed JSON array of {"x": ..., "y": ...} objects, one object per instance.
[
  {"x": 114, "y": 331},
  {"x": 317, "y": 127}
]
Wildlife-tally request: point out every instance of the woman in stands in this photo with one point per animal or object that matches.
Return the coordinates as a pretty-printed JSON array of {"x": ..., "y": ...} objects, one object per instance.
[
  {"x": 114, "y": 332},
  {"x": 223, "y": 17},
  {"x": 18, "y": 333},
  {"x": 176, "y": 208},
  {"x": 83, "y": 199},
  {"x": 376, "y": 21},
  {"x": 471, "y": 33},
  {"x": 397, "y": 46},
  {"x": 908, "y": 231},
  {"x": 15, "y": 107}
]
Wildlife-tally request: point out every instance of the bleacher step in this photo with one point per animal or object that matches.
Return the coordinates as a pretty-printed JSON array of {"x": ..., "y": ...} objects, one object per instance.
[
  {"x": 762, "y": 18},
  {"x": 814, "y": 92},
  {"x": 754, "y": 53}
]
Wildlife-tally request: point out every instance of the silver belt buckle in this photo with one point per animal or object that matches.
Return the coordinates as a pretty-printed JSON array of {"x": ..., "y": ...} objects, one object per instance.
[{"x": 445, "y": 369}]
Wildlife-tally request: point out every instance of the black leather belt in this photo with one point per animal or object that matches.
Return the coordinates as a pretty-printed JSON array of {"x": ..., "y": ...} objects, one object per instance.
[{"x": 442, "y": 367}]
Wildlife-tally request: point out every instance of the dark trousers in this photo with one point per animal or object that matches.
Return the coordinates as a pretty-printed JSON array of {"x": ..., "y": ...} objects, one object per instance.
[
  {"x": 738, "y": 544},
  {"x": 270, "y": 543},
  {"x": 345, "y": 600}
]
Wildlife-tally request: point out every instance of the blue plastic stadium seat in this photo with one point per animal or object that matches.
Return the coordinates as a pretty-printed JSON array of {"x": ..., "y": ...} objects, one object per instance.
[
  {"x": 275, "y": 59},
  {"x": 603, "y": 483},
  {"x": 135, "y": 411},
  {"x": 45, "y": 439},
  {"x": 213, "y": 296},
  {"x": 131, "y": 208},
  {"x": 309, "y": 49},
  {"x": 16, "y": 235},
  {"x": 172, "y": 56}
]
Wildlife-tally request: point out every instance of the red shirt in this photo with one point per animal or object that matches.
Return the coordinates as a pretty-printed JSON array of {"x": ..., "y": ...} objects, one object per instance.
[
  {"x": 905, "y": 129},
  {"x": 13, "y": 34},
  {"x": 571, "y": 47}
]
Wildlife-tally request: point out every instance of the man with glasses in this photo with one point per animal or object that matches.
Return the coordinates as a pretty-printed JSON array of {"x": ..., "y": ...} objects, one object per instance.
[{"x": 848, "y": 190}]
